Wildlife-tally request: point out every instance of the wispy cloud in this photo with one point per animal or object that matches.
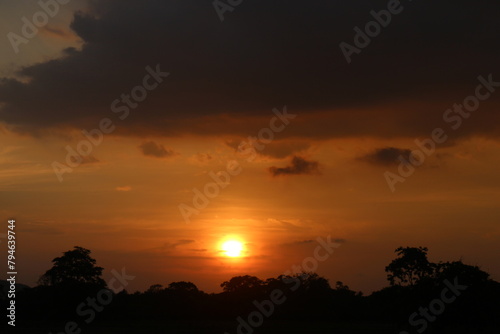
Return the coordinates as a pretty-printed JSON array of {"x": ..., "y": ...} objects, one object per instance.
[
  {"x": 386, "y": 155},
  {"x": 153, "y": 149},
  {"x": 181, "y": 242},
  {"x": 298, "y": 166}
]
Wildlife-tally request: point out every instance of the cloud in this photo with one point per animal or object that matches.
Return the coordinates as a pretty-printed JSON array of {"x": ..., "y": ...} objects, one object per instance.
[
  {"x": 298, "y": 243},
  {"x": 310, "y": 241},
  {"x": 57, "y": 32},
  {"x": 290, "y": 225},
  {"x": 125, "y": 188},
  {"x": 400, "y": 85},
  {"x": 177, "y": 243},
  {"x": 88, "y": 159},
  {"x": 387, "y": 156},
  {"x": 299, "y": 166},
  {"x": 203, "y": 157},
  {"x": 153, "y": 149},
  {"x": 283, "y": 149},
  {"x": 277, "y": 149}
]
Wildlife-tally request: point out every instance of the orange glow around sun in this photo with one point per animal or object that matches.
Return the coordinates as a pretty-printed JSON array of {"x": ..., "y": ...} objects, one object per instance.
[{"x": 232, "y": 248}]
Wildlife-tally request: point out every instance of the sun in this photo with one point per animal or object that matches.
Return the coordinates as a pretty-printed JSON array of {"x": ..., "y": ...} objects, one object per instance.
[{"x": 232, "y": 248}]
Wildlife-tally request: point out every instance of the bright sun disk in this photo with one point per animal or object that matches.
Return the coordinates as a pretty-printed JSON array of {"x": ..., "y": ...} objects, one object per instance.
[{"x": 232, "y": 248}]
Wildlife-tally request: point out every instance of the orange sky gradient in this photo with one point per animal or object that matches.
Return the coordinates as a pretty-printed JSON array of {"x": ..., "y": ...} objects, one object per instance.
[{"x": 225, "y": 79}]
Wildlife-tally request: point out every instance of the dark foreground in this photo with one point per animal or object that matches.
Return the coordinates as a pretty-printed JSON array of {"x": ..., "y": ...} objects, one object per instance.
[
  {"x": 423, "y": 297},
  {"x": 274, "y": 327}
]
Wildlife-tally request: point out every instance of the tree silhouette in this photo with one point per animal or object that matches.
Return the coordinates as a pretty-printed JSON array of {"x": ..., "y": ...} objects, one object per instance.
[
  {"x": 286, "y": 300},
  {"x": 410, "y": 267},
  {"x": 155, "y": 288},
  {"x": 340, "y": 286},
  {"x": 471, "y": 275},
  {"x": 241, "y": 283},
  {"x": 183, "y": 286},
  {"x": 313, "y": 282},
  {"x": 74, "y": 267}
]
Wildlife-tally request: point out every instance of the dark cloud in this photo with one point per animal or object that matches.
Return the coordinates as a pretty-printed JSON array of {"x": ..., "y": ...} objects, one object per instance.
[
  {"x": 153, "y": 149},
  {"x": 227, "y": 76},
  {"x": 278, "y": 149},
  {"x": 387, "y": 155},
  {"x": 310, "y": 241},
  {"x": 298, "y": 166},
  {"x": 178, "y": 243},
  {"x": 84, "y": 159}
]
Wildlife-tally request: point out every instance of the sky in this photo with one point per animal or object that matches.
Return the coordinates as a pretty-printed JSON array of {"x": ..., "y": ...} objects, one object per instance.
[{"x": 150, "y": 132}]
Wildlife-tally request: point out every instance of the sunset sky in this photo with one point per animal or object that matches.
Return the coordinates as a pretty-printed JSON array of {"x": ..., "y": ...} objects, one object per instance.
[{"x": 212, "y": 84}]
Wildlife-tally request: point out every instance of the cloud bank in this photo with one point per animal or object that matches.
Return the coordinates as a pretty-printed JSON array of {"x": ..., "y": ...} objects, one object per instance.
[{"x": 228, "y": 76}]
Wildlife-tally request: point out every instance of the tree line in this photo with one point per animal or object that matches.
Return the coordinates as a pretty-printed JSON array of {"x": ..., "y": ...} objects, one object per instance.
[{"x": 420, "y": 296}]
